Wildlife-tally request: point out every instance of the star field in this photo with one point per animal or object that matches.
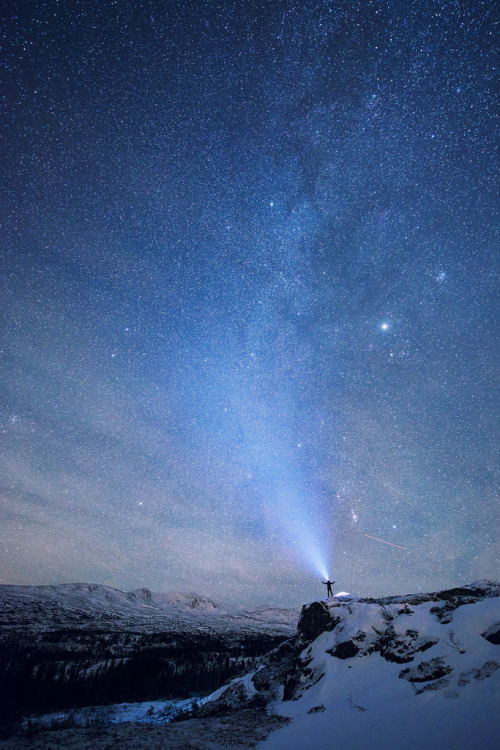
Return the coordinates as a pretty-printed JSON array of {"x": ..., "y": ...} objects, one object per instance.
[{"x": 250, "y": 295}]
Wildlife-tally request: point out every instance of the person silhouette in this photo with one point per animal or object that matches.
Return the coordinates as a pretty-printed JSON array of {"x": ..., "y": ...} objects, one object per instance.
[{"x": 328, "y": 584}]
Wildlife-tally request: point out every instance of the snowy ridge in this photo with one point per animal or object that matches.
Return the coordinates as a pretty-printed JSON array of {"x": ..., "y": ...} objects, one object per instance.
[
  {"x": 371, "y": 672},
  {"x": 88, "y": 605}
]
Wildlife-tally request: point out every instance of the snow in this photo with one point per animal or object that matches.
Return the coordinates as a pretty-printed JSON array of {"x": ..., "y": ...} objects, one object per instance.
[
  {"x": 367, "y": 704},
  {"x": 424, "y": 677},
  {"x": 83, "y": 605},
  {"x": 145, "y": 712},
  {"x": 431, "y": 723}
]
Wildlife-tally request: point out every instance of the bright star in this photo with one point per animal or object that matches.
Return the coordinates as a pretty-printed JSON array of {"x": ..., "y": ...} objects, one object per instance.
[{"x": 384, "y": 326}]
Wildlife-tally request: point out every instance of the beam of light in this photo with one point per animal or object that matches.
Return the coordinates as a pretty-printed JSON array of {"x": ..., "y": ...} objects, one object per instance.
[
  {"x": 291, "y": 508},
  {"x": 383, "y": 542},
  {"x": 294, "y": 513},
  {"x": 268, "y": 407}
]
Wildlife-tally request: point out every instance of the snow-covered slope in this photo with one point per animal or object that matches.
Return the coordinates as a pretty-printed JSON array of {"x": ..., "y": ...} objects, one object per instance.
[
  {"x": 418, "y": 671},
  {"x": 83, "y": 605}
]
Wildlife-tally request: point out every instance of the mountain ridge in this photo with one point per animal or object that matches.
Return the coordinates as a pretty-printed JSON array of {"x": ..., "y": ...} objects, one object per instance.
[
  {"x": 86, "y": 605},
  {"x": 79, "y": 644}
]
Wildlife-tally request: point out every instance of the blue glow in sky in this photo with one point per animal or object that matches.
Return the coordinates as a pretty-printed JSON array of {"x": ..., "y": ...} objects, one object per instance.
[{"x": 249, "y": 296}]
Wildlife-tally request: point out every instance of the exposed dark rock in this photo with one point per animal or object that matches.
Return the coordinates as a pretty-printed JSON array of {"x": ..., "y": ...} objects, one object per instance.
[
  {"x": 464, "y": 678},
  {"x": 426, "y": 671},
  {"x": 477, "y": 591},
  {"x": 406, "y": 610},
  {"x": 436, "y": 685},
  {"x": 317, "y": 709},
  {"x": 316, "y": 618},
  {"x": 493, "y": 634},
  {"x": 300, "y": 681},
  {"x": 233, "y": 698},
  {"x": 464, "y": 591},
  {"x": 344, "y": 650},
  {"x": 402, "y": 649},
  {"x": 267, "y": 680},
  {"x": 445, "y": 613},
  {"x": 140, "y": 594},
  {"x": 275, "y": 667},
  {"x": 415, "y": 599},
  {"x": 488, "y": 668},
  {"x": 441, "y": 614}
]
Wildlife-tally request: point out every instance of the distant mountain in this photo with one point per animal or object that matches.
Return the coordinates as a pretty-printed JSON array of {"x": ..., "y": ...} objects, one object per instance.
[
  {"x": 88, "y": 605},
  {"x": 418, "y": 671},
  {"x": 80, "y": 644}
]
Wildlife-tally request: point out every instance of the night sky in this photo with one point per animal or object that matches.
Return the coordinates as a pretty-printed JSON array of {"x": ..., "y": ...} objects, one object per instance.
[{"x": 249, "y": 295}]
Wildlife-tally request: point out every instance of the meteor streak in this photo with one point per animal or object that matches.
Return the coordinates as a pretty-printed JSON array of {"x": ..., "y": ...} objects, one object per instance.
[{"x": 381, "y": 540}]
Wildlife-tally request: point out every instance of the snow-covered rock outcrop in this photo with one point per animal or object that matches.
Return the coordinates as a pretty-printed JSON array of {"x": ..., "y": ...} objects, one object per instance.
[{"x": 421, "y": 670}]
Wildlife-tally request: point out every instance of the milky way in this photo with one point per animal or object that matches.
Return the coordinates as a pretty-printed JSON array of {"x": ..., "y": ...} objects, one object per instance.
[{"x": 249, "y": 295}]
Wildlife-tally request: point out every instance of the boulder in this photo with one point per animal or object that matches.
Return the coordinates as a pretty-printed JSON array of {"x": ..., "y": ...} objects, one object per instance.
[
  {"x": 493, "y": 634},
  {"x": 426, "y": 671},
  {"x": 316, "y": 618}
]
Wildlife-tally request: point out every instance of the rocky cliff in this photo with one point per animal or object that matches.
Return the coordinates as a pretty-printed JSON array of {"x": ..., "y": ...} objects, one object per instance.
[{"x": 416, "y": 662}]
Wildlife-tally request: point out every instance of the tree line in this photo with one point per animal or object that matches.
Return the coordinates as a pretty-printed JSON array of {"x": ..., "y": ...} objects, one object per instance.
[{"x": 62, "y": 670}]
